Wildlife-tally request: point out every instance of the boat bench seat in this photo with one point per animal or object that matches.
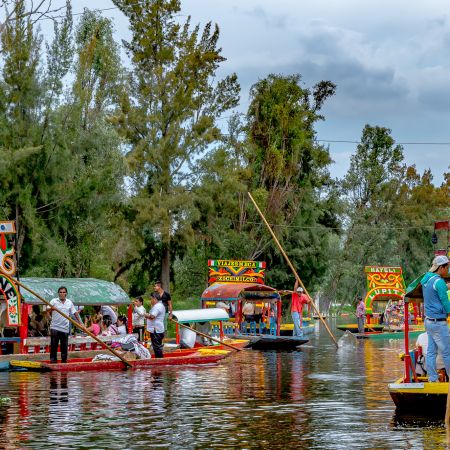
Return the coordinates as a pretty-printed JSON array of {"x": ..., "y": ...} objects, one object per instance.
[{"x": 76, "y": 343}]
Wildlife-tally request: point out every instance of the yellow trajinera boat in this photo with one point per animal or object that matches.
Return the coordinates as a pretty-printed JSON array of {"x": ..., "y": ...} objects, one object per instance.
[{"x": 414, "y": 395}]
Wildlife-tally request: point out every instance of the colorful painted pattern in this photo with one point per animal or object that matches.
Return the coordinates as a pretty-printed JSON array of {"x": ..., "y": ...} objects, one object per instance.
[
  {"x": 11, "y": 293},
  {"x": 383, "y": 283},
  {"x": 7, "y": 263},
  {"x": 8, "y": 288},
  {"x": 224, "y": 271}
]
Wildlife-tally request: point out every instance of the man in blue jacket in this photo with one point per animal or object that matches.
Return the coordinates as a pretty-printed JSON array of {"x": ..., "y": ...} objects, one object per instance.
[{"x": 437, "y": 306}]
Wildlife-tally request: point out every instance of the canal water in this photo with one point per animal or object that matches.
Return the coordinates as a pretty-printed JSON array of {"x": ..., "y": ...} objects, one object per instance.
[{"x": 315, "y": 398}]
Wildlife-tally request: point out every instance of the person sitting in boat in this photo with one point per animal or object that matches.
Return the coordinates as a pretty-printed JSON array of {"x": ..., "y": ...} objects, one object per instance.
[
  {"x": 421, "y": 364},
  {"x": 122, "y": 325},
  {"x": 248, "y": 311},
  {"x": 38, "y": 324},
  {"x": 107, "y": 311},
  {"x": 108, "y": 328},
  {"x": 437, "y": 307},
  {"x": 224, "y": 306},
  {"x": 257, "y": 315},
  {"x": 92, "y": 324},
  {"x": 205, "y": 328}
]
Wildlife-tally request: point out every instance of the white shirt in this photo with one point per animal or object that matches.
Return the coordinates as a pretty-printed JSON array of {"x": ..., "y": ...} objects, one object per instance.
[
  {"x": 248, "y": 309},
  {"x": 138, "y": 316},
  {"x": 156, "y": 325},
  {"x": 422, "y": 341},
  {"x": 222, "y": 305},
  {"x": 108, "y": 311},
  {"x": 122, "y": 330},
  {"x": 59, "y": 322}
]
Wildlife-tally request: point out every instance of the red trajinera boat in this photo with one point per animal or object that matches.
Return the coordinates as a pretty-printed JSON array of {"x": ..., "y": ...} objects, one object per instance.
[{"x": 186, "y": 357}]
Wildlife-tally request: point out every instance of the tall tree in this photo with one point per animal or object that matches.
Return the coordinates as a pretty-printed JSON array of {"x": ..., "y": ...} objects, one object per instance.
[
  {"x": 170, "y": 117},
  {"x": 370, "y": 187},
  {"x": 62, "y": 169}
]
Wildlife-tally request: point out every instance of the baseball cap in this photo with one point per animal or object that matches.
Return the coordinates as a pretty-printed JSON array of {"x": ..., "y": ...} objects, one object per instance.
[{"x": 440, "y": 260}]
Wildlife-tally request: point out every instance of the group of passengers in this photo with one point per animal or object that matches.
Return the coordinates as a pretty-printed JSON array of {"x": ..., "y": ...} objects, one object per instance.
[{"x": 105, "y": 321}]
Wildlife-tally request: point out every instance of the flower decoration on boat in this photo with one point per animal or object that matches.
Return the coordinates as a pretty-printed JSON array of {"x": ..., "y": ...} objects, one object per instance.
[{"x": 10, "y": 292}]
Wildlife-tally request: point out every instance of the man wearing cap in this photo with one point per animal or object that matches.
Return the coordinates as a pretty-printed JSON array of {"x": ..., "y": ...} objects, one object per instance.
[
  {"x": 298, "y": 300},
  {"x": 437, "y": 306}
]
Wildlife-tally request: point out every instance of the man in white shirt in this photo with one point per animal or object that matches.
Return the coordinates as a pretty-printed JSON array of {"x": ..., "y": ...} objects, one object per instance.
[
  {"x": 155, "y": 325},
  {"x": 59, "y": 327},
  {"x": 249, "y": 311}
]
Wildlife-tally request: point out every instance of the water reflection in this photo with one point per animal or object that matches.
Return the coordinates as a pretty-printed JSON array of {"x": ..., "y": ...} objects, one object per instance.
[{"x": 315, "y": 398}]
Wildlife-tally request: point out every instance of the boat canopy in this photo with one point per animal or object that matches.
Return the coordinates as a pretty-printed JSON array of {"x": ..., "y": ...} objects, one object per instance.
[
  {"x": 414, "y": 290},
  {"x": 234, "y": 291},
  {"x": 200, "y": 315},
  {"x": 82, "y": 291}
]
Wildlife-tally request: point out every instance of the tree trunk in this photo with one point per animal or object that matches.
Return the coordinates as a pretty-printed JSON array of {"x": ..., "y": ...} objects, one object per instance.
[{"x": 165, "y": 267}]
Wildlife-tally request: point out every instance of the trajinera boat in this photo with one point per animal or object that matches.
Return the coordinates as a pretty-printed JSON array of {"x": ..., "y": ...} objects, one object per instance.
[
  {"x": 209, "y": 322},
  {"x": 192, "y": 357},
  {"x": 384, "y": 306},
  {"x": 233, "y": 284},
  {"x": 413, "y": 394}
]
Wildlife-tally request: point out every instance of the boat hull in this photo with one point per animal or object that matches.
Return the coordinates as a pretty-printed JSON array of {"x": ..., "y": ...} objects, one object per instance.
[
  {"x": 209, "y": 356},
  {"x": 268, "y": 342},
  {"x": 288, "y": 328},
  {"x": 353, "y": 327},
  {"x": 419, "y": 399},
  {"x": 389, "y": 335}
]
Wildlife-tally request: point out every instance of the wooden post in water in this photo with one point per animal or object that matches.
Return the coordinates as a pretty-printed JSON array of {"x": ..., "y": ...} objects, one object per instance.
[{"x": 293, "y": 269}]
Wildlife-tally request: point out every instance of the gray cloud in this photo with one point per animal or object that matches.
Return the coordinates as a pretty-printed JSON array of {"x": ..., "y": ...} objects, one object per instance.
[{"x": 270, "y": 20}]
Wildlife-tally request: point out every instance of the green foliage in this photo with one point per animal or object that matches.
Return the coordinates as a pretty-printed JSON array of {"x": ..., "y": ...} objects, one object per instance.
[
  {"x": 387, "y": 206},
  {"x": 62, "y": 168},
  {"x": 169, "y": 121},
  {"x": 126, "y": 175}
]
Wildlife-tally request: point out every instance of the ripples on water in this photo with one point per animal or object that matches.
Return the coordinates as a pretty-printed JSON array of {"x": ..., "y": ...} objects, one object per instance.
[{"x": 316, "y": 398}]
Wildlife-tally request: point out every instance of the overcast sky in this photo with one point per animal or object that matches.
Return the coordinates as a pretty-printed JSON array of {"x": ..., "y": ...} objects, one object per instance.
[{"x": 390, "y": 61}]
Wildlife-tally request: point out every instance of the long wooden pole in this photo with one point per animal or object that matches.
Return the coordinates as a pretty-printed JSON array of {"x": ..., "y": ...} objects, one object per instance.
[
  {"x": 206, "y": 336},
  {"x": 77, "y": 324},
  {"x": 292, "y": 268}
]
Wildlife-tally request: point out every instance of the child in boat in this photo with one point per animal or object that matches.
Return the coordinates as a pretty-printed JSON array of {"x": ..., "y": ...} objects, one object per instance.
[
  {"x": 108, "y": 328},
  {"x": 122, "y": 325},
  {"x": 138, "y": 318}
]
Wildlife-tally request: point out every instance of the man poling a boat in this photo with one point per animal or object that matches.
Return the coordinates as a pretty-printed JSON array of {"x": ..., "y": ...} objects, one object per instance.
[
  {"x": 437, "y": 306},
  {"x": 59, "y": 328},
  {"x": 360, "y": 315}
]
